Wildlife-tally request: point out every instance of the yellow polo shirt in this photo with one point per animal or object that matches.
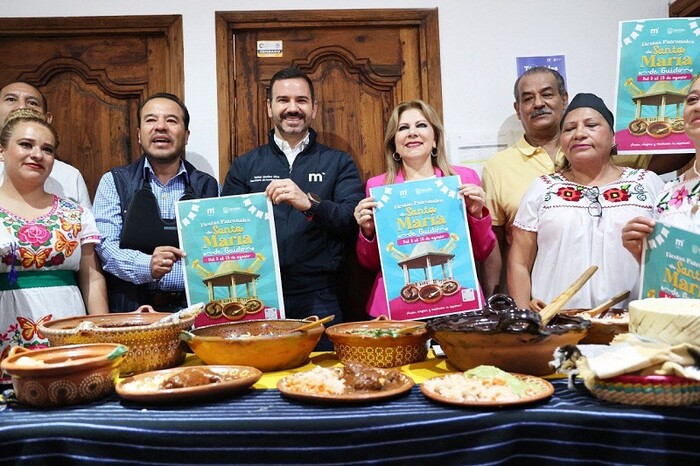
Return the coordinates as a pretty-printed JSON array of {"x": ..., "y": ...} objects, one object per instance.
[{"x": 509, "y": 173}]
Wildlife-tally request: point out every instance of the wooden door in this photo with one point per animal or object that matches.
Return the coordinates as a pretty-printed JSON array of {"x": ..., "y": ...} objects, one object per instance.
[
  {"x": 94, "y": 72},
  {"x": 362, "y": 62}
]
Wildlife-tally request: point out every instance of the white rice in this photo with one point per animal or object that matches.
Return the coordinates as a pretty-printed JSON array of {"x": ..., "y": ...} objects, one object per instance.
[{"x": 318, "y": 381}]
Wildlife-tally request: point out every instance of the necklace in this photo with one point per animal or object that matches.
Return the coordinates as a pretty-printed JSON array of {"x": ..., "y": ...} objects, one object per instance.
[{"x": 695, "y": 169}]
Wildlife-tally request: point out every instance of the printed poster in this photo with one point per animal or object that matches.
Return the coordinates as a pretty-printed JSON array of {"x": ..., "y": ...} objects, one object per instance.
[
  {"x": 657, "y": 61},
  {"x": 425, "y": 249},
  {"x": 232, "y": 263},
  {"x": 555, "y": 62},
  {"x": 671, "y": 264}
]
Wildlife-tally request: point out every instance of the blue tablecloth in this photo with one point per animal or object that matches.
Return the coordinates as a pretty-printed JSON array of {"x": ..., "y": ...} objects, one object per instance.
[{"x": 261, "y": 426}]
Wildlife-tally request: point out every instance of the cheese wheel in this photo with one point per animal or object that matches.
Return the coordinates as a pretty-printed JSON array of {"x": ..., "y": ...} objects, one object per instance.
[{"x": 667, "y": 320}]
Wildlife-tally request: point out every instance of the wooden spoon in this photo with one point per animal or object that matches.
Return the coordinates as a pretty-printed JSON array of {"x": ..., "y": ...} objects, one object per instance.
[
  {"x": 409, "y": 330},
  {"x": 608, "y": 304},
  {"x": 552, "y": 309},
  {"x": 310, "y": 325}
]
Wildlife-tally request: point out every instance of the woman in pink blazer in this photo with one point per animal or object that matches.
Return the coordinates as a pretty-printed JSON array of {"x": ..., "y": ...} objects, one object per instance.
[{"x": 414, "y": 146}]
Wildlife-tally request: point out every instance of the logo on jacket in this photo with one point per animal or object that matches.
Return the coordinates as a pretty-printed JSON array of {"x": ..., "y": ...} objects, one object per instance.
[{"x": 316, "y": 177}]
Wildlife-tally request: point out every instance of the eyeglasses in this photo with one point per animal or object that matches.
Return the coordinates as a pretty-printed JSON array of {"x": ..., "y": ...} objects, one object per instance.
[{"x": 595, "y": 208}]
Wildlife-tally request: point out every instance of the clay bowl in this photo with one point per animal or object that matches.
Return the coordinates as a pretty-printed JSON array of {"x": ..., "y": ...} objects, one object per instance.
[
  {"x": 603, "y": 327},
  {"x": 64, "y": 375},
  {"x": 262, "y": 344},
  {"x": 152, "y": 345},
  {"x": 469, "y": 340},
  {"x": 363, "y": 342}
]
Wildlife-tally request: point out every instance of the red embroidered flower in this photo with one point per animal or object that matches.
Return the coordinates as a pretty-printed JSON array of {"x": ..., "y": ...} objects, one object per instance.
[
  {"x": 569, "y": 194},
  {"x": 616, "y": 195},
  {"x": 58, "y": 259},
  {"x": 36, "y": 235}
]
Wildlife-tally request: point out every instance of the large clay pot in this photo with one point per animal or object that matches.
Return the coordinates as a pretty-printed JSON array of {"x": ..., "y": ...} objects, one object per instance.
[
  {"x": 64, "y": 375},
  {"x": 264, "y": 344},
  {"x": 384, "y": 351},
  {"x": 152, "y": 345},
  {"x": 501, "y": 335}
]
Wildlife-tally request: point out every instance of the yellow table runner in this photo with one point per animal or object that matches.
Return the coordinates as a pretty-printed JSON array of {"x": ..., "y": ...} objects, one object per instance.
[{"x": 419, "y": 371}]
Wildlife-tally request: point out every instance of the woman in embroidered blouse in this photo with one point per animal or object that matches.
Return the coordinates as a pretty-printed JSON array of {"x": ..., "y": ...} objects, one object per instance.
[
  {"x": 414, "y": 147},
  {"x": 677, "y": 204},
  {"x": 572, "y": 219},
  {"x": 52, "y": 271}
]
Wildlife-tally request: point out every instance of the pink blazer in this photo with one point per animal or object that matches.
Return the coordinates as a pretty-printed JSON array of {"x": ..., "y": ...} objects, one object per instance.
[{"x": 482, "y": 237}]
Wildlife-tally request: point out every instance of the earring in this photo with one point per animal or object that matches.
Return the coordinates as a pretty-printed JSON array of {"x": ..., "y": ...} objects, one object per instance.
[
  {"x": 397, "y": 157},
  {"x": 433, "y": 153}
]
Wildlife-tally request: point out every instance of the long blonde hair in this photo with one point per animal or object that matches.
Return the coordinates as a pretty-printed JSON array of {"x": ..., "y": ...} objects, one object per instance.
[{"x": 392, "y": 126}]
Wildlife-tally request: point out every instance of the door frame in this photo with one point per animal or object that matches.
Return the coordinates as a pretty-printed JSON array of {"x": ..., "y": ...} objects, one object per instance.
[{"x": 229, "y": 22}]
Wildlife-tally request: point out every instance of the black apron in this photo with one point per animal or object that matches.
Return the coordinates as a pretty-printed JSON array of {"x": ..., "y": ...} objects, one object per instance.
[{"x": 143, "y": 228}]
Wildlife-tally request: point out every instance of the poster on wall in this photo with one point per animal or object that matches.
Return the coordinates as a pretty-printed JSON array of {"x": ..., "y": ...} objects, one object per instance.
[
  {"x": 231, "y": 263},
  {"x": 671, "y": 264},
  {"x": 555, "y": 62},
  {"x": 657, "y": 61},
  {"x": 425, "y": 250}
]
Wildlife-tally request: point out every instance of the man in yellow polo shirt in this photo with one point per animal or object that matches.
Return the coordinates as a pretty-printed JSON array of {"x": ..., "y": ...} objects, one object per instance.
[{"x": 540, "y": 100}]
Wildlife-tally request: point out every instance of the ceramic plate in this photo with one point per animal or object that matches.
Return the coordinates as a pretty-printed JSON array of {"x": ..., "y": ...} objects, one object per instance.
[
  {"x": 354, "y": 397},
  {"x": 144, "y": 387},
  {"x": 542, "y": 389}
]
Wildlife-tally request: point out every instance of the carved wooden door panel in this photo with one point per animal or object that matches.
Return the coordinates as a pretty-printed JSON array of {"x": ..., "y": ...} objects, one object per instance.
[
  {"x": 362, "y": 62},
  {"x": 94, "y": 72}
]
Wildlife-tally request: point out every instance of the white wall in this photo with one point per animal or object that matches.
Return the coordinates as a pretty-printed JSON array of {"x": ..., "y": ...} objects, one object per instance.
[{"x": 479, "y": 41}]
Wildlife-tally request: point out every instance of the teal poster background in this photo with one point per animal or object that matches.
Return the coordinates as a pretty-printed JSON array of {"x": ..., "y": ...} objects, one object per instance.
[
  {"x": 425, "y": 249},
  {"x": 657, "y": 61},
  {"x": 671, "y": 264},
  {"x": 231, "y": 263}
]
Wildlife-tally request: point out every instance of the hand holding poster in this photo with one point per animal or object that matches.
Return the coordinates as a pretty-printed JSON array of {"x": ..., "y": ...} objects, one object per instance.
[
  {"x": 231, "y": 263},
  {"x": 671, "y": 264},
  {"x": 656, "y": 65},
  {"x": 425, "y": 249}
]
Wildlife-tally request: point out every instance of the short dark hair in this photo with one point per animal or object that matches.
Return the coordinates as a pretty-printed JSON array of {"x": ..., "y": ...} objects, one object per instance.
[
  {"x": 561, "y": 85},
  {"x": 290, "y": 73},
  {"x": 44, "y": 102},
  {"x": 169, "y": 96}
]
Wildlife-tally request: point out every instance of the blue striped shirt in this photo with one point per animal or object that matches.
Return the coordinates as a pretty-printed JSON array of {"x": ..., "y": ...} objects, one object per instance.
[{"x": 129, "y": 264}]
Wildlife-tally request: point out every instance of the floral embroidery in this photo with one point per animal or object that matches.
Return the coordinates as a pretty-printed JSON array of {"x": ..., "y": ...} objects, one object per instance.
[
  {"x": 46, "y": 241},
  {"x": 616, "y": 195},
  {"x": 569, "y": 193},
  {"x": 678, "y": 197},
  {"x": 36, "y": 235}
]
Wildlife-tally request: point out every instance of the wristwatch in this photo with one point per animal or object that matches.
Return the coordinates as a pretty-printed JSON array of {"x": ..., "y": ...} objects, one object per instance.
[{"x": 315, "y": 202}]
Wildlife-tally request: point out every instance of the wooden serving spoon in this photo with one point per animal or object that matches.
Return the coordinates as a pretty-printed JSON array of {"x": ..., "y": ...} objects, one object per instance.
[
  {"x": 608, "y": 304},
  {"x": 409, "y": 330},
  {"x": 313, "y": 324},
  {"x": 552, "y": 309}
]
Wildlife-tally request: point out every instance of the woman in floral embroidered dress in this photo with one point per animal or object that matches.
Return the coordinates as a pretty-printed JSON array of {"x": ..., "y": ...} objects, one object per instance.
[
  {"x": 52, "y": 270},
  {"x": 572, "y": 219},
  {"x": 677, "y": 204}
]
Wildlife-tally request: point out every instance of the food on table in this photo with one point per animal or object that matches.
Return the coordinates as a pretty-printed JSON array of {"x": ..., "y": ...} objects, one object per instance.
[
  {"x": 187, "y": 377},
  {"x": 503, "y": 335},
  {"x": 669, "y": 320},
  {"x": 481, "y": 384},
  {"x": 192, "y": 377},
  {"x": 352, "y": 378},
  {"x": 379, "y": 332}
]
